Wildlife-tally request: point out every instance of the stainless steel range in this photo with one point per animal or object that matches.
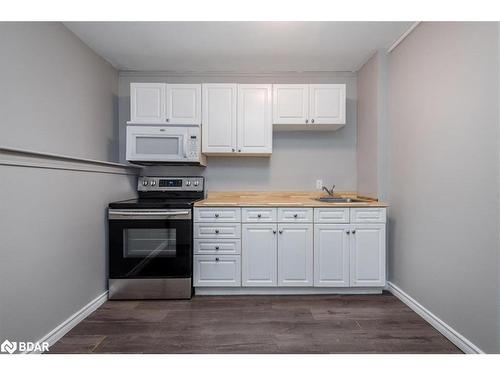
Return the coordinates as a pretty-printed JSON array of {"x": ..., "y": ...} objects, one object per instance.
[{"x": 150, "y": 240}]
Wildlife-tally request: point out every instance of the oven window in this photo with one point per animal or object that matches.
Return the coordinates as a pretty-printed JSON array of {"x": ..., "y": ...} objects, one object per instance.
[
  {"x": 157, "y": 145},
  {"x": 149, "y": 242}
]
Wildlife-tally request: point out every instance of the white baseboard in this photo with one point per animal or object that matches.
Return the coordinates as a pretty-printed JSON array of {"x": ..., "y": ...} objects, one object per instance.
[
  {"x": 55, "y": 335},
  {"x": 451, "y": 334},
  {"x": 232, "y": 291}
]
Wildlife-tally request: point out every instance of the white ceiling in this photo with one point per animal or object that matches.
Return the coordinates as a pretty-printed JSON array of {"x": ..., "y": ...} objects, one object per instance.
[{"x": 238, "y": 46}]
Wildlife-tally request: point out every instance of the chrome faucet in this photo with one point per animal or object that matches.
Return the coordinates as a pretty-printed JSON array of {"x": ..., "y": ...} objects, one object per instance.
[{"x": 329, "y": 191}]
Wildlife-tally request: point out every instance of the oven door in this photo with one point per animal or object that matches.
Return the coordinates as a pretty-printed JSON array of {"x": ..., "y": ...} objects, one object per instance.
[{"x": 150, "y": 244}]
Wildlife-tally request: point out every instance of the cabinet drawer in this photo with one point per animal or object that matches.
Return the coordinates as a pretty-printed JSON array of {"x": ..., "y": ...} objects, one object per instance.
[
  {"x": 217, "y": 230},
  {"x": 217, "y": 214},
  {"x": 295, "y": 215},
  {"x": 214, "y": 270},
  {"x": 216, "y": 246},
  {"x": 259, "y": 214},
  {"x": 331, "y": 215},
  {"x": 368, "y": 215}
]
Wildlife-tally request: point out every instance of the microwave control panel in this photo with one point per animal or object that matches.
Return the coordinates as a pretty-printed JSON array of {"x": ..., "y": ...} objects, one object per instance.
[{"x": 193, "y": 143}]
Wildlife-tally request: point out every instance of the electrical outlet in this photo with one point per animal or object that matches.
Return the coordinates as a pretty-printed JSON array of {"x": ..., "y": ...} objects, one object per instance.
[{"x": 319, "y": 184}]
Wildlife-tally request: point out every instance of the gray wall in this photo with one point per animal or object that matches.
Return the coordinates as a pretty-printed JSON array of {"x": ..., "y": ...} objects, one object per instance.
[
  {"x": 57, "y": 96},
  {"x": 367, "y": 145},
  {"x": 444, "y": 168},
  {"x": 298, "y": 159}
]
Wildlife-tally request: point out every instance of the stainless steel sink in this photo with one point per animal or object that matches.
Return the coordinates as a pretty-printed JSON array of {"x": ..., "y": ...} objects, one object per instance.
[{"x": 338, "y": 200}]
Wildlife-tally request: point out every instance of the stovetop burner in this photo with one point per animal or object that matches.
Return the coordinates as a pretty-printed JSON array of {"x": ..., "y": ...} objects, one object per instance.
[
  {"x": 144, "y": 203},
  {"x": 164, "y": 192}
]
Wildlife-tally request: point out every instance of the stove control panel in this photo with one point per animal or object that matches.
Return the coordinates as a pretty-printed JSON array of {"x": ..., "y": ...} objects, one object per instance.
[{"x": 147, "y": 183}]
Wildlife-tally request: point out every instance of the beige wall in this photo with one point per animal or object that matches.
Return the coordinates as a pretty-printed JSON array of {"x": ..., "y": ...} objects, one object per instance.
[{"x": 444, "y": 169}]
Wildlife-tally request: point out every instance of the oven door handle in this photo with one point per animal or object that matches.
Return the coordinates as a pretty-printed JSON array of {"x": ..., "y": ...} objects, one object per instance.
[{"x": 149, "y": 213}]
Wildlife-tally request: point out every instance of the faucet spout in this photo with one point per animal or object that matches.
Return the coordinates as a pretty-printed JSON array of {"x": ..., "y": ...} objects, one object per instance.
[{"x": 329, "y": 191}]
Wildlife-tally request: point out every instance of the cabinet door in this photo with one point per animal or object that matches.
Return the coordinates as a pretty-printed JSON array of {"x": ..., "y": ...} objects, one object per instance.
[
  {"x": 214, "y": 270},
  {"x": 331, "y": 255},
  {"x": 184, "y": 104},
  {"x": 327, "y": 104},
  {"x": 255, "y": 125},
  {"x": 147, "y": 103},
  {"x": 367, "y": 255},
  {"x": 219, "y": 118},
  {"x": 290, "y": 104},
  {"x": 259, "y": 255},
  {"x": 295, "y": 255}
]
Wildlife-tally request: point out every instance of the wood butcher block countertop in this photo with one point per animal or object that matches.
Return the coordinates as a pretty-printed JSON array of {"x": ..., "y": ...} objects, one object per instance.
[{"x": 283, "y": 199}]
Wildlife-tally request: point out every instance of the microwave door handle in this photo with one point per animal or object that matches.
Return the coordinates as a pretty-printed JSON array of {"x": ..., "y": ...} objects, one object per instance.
[{"x": 185, "y": 147}]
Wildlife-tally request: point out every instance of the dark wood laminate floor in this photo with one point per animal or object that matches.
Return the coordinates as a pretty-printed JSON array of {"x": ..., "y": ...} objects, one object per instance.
[{"x": 256, "y": 324}]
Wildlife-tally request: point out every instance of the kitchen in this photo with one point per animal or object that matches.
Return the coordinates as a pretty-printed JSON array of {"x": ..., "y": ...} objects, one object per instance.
[{"x": 270, "y": 205}]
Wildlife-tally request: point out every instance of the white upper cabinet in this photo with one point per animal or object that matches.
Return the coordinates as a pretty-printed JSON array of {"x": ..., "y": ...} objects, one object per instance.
[
  {"x": 237, "y": 119},
  {"x": 255, "y": 126},
  {"x": 290, "y": 104},
  {"x": 367, "y": 255},
  {"x": 309, "y": 107},
  {"x": 147, "y": 103},
  {"x": 184, "y": 104},
  {"x": 219, "y": 118},
  {"x": 327, "y": 104},
  {"x": 160, "y": 103}
]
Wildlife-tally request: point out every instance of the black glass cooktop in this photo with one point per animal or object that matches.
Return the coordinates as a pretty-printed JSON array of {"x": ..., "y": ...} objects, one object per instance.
[{"x": 144, "y": 203}]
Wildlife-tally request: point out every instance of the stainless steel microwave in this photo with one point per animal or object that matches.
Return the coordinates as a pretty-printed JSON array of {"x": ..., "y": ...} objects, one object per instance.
[{"x": 169, "y": 144}]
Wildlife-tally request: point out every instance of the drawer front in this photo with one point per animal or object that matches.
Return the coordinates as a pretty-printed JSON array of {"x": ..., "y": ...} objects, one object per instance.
[
  {"x": 259, "y": 214},
  {"x": 213, "y": 270},
  {"x": 217, "y": 230},
  {"x": 216, "y": 246},
  {"x": 295, "y": 215},
  {"x": 331, "y": 215},
  {"x": 217, "y": 214},
  {"x": 368, "y": 215}
]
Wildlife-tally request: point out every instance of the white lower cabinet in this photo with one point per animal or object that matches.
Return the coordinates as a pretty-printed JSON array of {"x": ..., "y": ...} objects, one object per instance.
[
  {"x": 331, "y": 255},
  {"x": 217, "y": 270},
  {"x": 259, "y": 255},
  {"x": 367, "y": 258},
  {"x": 344, "y": 247},
  {"x": 295, "y": 255}
]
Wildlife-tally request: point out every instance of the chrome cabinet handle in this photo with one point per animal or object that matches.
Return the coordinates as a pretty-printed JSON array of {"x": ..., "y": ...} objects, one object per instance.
[
  {"x": 168, "y": 120},
  {"x": 233, "y": 150},
  {"x": 216, "y": 259},
  {"x": 295, "y": 215},
  {"x": 307, "y": 121},
  {"x": 259, "y": 215},
  {"x": 354, "y": 231},
  {"x": 274, "y": 232},
  {"x": 281, "y": 232},
  {"x": 216, "y": 231},
  {"x": 216, "y": 215},
  {"x": 312, "y": 121},
  {"x": 348, "y": 231},
  {"x": 216, "y": 247},
  {"x": 239, "y": 150}
]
